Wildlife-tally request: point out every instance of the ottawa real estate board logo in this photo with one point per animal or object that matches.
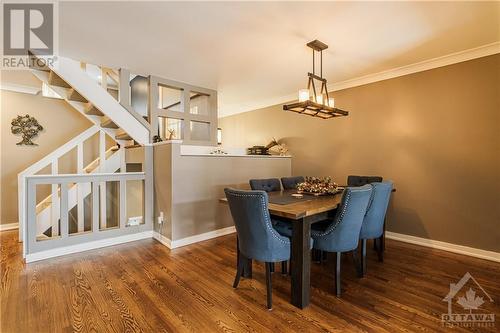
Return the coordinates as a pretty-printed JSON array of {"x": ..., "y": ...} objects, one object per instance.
[
  {"x": 473, "y": 300},
  {"x": 29, "y": 29}
]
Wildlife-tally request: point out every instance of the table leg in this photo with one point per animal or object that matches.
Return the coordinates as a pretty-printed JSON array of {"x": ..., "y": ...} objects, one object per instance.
[{"x": 301, "y": 263}]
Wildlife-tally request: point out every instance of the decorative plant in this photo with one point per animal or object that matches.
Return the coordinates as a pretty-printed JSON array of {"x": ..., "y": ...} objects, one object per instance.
[
  {"x": 318, "y": 185},
  {"x": 28, "y": 127}
]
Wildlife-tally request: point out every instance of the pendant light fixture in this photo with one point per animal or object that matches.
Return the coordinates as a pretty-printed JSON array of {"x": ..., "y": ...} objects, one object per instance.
[{"x": 310, "y": 102}]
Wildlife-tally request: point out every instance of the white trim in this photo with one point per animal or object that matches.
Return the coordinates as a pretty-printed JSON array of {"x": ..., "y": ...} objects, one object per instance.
[
  {"x": 60, "y": 251},
  {"x": 172, "y": 244},
  {"x": 165, "y": 142},
  {"x": 9, "y": 226},
  {"x": 450, "y": 59},
  {"x": 20, "y": 88},
  {"x": 460, "y": 249},
  {"x": 202, "y": 237},
  {"x": 162, "y": 239}
]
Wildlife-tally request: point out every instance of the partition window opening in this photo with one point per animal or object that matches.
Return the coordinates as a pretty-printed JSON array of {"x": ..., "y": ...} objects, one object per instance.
[
  {"x": 170, "y": 128},
  {"x": 199, "y": 103},
  {"x": 170, "y": 98}
]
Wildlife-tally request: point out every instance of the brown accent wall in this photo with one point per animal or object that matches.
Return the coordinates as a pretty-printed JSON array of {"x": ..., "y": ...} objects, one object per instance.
[
  {"x": 61, "y": 123},
  {"x": 436, "y": 134}
]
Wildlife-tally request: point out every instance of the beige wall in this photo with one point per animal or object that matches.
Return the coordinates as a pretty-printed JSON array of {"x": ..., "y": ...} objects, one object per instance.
[
  {"x": 435, "y": 133},
  {"x": 188, "y": 188},
  {"x": 60, "y": 122}
]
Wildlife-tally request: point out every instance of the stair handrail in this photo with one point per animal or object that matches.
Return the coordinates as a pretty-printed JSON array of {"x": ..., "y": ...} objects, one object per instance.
[{"x": 60, "y": 151}]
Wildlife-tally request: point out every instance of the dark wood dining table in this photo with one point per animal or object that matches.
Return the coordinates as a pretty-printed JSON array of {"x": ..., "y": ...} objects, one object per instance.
[{"x": 301, "y": 214}]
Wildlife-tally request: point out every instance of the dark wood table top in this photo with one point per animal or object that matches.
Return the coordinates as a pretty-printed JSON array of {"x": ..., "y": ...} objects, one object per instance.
[{"x": 298, "y": 210}]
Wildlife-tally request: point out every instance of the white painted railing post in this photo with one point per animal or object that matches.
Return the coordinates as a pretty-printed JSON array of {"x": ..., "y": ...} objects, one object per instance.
[
  {"x": 123, "y": 203},
  {"x": 104, "y": 78},
  {"x": 123, "y": 163},
  {"x": 64, "y": 210},
  {"x": 95, "y": 207},
  {"x": 148, "y": 184},
  {"x": 55, "y": 207},
  {"x": 79, "y": 187},
  {"x": 102, "y": 185}
]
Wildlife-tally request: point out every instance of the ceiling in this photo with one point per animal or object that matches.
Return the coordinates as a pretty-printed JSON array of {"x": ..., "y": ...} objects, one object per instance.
[{"x": 254, "y": 53}]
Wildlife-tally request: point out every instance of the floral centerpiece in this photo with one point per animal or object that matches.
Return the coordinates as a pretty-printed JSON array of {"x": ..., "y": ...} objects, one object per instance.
[{"x": 318, "y": 186}]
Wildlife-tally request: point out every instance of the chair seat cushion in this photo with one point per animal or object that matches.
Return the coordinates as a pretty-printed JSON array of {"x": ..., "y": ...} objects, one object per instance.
[{"x": 285, "y": 229}]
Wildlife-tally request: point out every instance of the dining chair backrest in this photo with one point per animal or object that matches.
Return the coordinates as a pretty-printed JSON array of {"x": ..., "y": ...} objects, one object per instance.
[
  {"x": 290, "y": 183},
  {"x": 373, "y": 223},
  {"x": 353, "y": 180},
  {"x": 268, "y": 185},
  {"x": 257, "y": 238},
  {"x": 343, "y": 233}
]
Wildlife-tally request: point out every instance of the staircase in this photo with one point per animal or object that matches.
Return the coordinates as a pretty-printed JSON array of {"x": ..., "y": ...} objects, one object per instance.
[
  {"x": 44, "y": 227},
  {"x": 67, "y": 78}
]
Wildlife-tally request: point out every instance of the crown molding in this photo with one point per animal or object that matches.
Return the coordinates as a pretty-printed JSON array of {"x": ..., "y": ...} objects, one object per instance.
[
  {"x": 450, "y": 59},
  {"x": 20, "y": 88}
]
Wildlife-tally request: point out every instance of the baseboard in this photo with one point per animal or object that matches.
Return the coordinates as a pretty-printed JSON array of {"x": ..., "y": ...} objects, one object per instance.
[
  {"x": 9, "y": 226},
  {"x": 60, "y": 251},
  {"x": 162, "y": 239},
  {"x": 172, "y": 244},
  {"x": 202, "y": 237},
  {"x": 460, "y": 249}
]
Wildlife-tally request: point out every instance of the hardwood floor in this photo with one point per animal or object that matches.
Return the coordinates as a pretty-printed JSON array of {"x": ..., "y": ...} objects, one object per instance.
[{"x": 145, "y": 287}]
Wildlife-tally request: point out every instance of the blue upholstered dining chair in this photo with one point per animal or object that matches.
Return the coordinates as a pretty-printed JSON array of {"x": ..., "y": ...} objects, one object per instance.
[
  {"x": 373, "y": 223},
  {"x": 268, "y": 185},
  {"x": 257, "y": 239},
  {"x": 290, "y": 183},
  {"x": 342, "y": 234}
]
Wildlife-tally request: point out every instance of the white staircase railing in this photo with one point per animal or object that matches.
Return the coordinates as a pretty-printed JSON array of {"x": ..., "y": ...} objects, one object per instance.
[
  {"x": 99, "y": 233},
  {"x": 45, "y": 214},
  {"x": 52, "y": 160}
]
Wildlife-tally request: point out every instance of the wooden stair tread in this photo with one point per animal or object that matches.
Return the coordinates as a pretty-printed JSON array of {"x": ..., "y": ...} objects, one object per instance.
[
  {"x": 108, "y": 123},
  {"x": 123, "y": 136},
  {"x": 91, "y": 110},
  {"x": 55, "y": 80},
  {"x": 74, "y": 95}
]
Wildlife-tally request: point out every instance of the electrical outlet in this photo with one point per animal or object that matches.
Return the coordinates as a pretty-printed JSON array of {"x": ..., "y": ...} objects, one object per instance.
[{"x": 160, "y": 218}]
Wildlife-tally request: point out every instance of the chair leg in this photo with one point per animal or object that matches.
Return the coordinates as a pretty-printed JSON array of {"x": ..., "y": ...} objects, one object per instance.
[
  {"x": 272, "y": 267},
  {"x": 324, "y": 256},
  {"x": 269, "y": 286},
  {"x": 363, "y": 257},
  {"x": 239, "y": 271},
  {"x": 357, "y": 263},
  {"x": 284, "y": 270},
  {"x": 337, "y": 273},
  {"x": 383, "y": 235},
  {"x": 380, "y": 248}
]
